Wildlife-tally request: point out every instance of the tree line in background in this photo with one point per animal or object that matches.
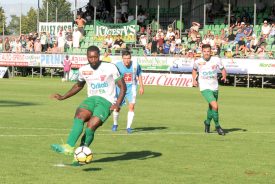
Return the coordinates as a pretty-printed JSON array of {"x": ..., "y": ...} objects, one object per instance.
[{"x": 29, "y": 21}]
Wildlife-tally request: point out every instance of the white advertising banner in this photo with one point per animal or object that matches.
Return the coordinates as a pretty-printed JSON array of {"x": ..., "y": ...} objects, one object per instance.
[
  {"x": 53, "y": 27},
  {"x": 19, "y": 59},
  {"x": 3, "y": 70},
  {"x": 177, "y": 80}
]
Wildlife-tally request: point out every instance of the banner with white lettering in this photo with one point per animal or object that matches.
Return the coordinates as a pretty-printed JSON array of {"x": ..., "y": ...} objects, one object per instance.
[
  {"x": 177, "y": 80},
  {"x": 3, "y": 70},
  {"x": 53, "y": 27}
]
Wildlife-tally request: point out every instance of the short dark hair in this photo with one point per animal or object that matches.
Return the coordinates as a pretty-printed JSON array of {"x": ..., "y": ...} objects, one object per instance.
[
  {"x": 206, "y": 46},
  {"x": 93, "y": 49},
  {"x": 126, "y": 53}
]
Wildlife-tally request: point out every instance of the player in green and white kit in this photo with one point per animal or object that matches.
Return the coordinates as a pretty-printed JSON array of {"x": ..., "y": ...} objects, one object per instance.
[
  {"x": 207, "y": 67},
  {"x": 101, "y": 78}
]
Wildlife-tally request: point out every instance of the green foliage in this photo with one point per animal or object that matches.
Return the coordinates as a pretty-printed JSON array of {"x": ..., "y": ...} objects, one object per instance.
[
  {"x": 29, "y": 22},
  {"x": 14, "y": 25},
  {"x": 64, "y": 13},
  {"x": 168, "y": 144},
  {"x": 2, "y": 19}
]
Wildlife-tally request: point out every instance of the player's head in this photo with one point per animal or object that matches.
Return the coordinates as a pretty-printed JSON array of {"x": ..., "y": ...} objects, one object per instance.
[
  {"x": 93, "y": 54},
  {"x": 206, "y": 51},
  {"x": 126, "y": 58}
]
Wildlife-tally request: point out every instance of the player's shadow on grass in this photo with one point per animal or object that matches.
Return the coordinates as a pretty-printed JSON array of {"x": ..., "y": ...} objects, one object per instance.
[
  {"x": 9, "y": 103},
  {"x": 234, "y": 130},
  {"x": 134, "y": 155},
  {"x": 142, "y": 129}
]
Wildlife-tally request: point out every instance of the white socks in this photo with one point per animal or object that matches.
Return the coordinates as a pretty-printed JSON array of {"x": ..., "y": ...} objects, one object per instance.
[
  {"x": 115, "y": 115},
  {"x": 130, "y": 119}
]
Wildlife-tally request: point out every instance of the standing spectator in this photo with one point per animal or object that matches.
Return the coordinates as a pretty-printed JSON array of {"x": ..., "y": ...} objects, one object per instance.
[
  {"x": 166, "y": 47},
  {"x": 1, "y": 45},
  {"x": 37, "y": 45},
  {"x": 154, "y": 46},
  {"x": 80, "y": 22},
  {"x": 44, "y": 42},
  {"x": 69, "y": 38},
  {"x": 18, "y": 46},
  {"x": 29, "y": 47},
  {"x": 67, "y": 67},
  {"x": 76, "y": 37},
  {"x": 7, "y": 46}
]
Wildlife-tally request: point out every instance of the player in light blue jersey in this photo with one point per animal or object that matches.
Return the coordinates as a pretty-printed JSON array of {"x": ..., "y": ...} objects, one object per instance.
[{"x": 131, "y": 72}]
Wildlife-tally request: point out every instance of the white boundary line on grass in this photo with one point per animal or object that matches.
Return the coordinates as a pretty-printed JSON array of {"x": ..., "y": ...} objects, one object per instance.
[{"x": 133, "y": 134}]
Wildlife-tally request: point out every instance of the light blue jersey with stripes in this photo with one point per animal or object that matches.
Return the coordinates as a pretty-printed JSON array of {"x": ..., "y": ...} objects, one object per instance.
[{"x": 130, "y": 77}]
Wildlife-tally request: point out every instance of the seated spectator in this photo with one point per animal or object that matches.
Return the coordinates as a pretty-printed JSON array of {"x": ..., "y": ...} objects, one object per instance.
[
  {"x": 143, "y": 40},
  {"x": 108, "y": 42},
  {"x": 253, "y": 43},
  {"x": 265, "y": 29},
  {"x": 172, "y": 47},
  {"x": 194, "y": 31},
  {"x": 238, "y": 36},
  {"x": 248, "y": 30},
  {"x": 119, "y": 43},
  {"x": 241, "y": 46}
]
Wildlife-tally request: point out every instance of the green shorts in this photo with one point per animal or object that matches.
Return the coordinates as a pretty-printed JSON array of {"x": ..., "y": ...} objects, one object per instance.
[
  {"x": 210, "y": 95},
  {"x": 100, "y": 107}
]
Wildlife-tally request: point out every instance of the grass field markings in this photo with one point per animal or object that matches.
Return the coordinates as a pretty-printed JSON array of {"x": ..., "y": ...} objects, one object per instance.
[
  {"x": 133, "y": 134},
  {"x": 59, "y": 165}
]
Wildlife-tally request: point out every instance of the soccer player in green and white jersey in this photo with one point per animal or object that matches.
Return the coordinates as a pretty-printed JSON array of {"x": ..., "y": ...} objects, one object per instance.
[
  {"x": 101, "y": 78},
  {"x": 207, "y": 67}
]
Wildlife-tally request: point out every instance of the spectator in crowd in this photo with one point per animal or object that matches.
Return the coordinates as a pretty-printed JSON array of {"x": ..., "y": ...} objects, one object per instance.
[
  {"x": 131, "y": 16},
  {"x": 69, "y": 38},
  {"x": 1, "y": 45},
  {"x": 7, "y": 46},
  {"x": 108, "y": 42},
  {"x": 169, "y": 33},
  {"x": 143, "y": 40},
  {"x": 76, "y": 37},
  {"x": 253, "y": 43},
  {"x": 106, "y": 57},
  {"x": 80, "y": 22},
  {"x": 141, "y": 18},
  {"x": 154, "y": 46},
  {"x": 119, "y": 43},
  {"x": 18, "y": 46},
  {"x": 55, "y": 49},
  {"x": 248, "y": 29},
  {"x": 160, "y": 50},
  {"x": 272, "y": 32},
  {"x": 13, "y": 45},
  {"x": 37, "y": 46},
  {"x": 44, "y": 41},
  {"x": 160, "y": 39},
  {"x": 166, "y": 47},
  {"x": 265, "y": 29},
  {"x": 29, "y": 47},
  {"x": 67, "y": 64}
]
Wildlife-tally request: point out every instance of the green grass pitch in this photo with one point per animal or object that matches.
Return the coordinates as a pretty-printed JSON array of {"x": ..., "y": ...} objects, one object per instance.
[{"x": 168, "y": 144}]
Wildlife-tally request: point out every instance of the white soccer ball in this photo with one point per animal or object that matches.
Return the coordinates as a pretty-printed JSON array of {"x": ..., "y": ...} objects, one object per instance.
[
  {"x": 63, "y": 79},
  {"x": 83, "y": 155}
]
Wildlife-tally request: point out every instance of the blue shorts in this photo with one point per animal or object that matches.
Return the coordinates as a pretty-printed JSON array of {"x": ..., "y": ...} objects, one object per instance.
[{"x": 130, "y": 95}]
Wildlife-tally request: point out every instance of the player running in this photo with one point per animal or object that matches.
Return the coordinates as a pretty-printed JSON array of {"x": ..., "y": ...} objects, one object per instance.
[
  {"x": 207, "y": 67},
  {"x": 131, "y": 72},
  {"x": 101, "y": 78}
]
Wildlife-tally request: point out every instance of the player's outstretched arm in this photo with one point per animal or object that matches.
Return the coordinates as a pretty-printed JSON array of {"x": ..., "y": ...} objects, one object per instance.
[
  {"x": 194, "y": 76},
  {"x": 122, "y": 86},
  {"x": 223, "y": 75},
  {"x": 74, "y": 90},
  {"x": 141, "y": 88}
]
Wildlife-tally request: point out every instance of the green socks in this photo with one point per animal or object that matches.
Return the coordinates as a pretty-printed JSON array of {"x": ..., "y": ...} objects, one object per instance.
[
  {"x": 209, "y": 116},
  {"x": 89, "y": 136},
  {"x": 75, "y": 132},
  {"x": 215, "y": 115}
]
